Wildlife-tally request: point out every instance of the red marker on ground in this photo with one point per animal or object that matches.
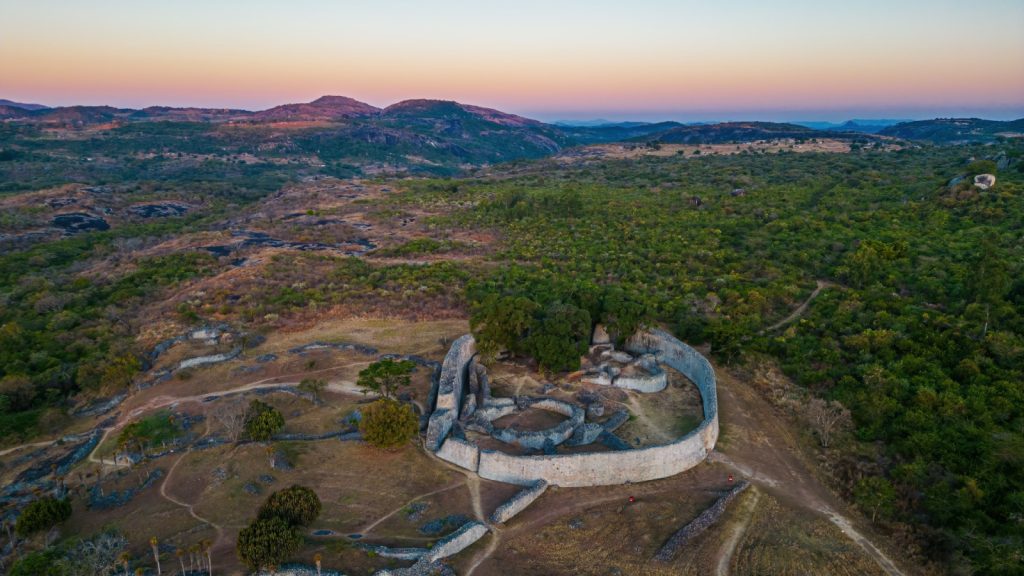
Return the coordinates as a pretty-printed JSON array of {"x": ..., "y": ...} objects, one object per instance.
[
  {"x": 632, "y": 499},
  {"x": 730, "y": 479}
]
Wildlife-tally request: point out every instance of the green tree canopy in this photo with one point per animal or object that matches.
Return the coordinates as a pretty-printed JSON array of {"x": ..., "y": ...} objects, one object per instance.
[
  {"x": 267, "y": 542},
  {"x": 297, "y": 505},
  {"x": 385, "y": 377},
  {"x": 42, "y": 514},
  {"x": 388, "y": 424},
  {"x": 263, "y": 421}
]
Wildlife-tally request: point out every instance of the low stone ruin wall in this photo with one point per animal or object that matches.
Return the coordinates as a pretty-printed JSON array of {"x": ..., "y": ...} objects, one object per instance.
[
  {"x": 539, "y": 439},
  {"x": 705, "y": 520},
  {"x": 656, "y": 381},
  {"x": 457, "y": 541},
  {"x": 518, "y": 503}
]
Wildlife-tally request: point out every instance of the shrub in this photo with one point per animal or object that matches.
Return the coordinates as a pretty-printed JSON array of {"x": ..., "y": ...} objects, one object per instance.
[
  {"x": 267, "y": 542},
  {"x": 42, "y": 515},
  {"x": 263, "y": 422},
  {"x": 388, "y": 424},
  {"x": 298, "y": 506}
]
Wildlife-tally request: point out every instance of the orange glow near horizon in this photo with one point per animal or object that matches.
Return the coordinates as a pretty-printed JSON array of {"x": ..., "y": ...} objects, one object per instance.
[{"x": 589, "y": 59}]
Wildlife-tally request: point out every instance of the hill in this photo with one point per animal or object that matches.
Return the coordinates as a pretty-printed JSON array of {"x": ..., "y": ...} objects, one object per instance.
[
  {"x": 323, "y": 108},
  {"x": 956, "y": 130},
  {"x": 728, "y": 132},
  {"x": 22, "y": 105}
]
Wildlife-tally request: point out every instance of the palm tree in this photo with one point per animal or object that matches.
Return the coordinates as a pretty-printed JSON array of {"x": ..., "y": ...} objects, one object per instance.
[
  {"x": 208, "y": 548},
  {"x": 156, "y": 554},
  {"x": 181, "y": 558}
]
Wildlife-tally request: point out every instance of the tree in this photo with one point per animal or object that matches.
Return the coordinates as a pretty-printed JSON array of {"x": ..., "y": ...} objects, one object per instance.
[
  {"x": 232, "y": 416},
  {"x": 990, "y": 280},
  {"x": 42, "y": 514},
  {"x": 313, "y": 387},
  {"x": 388, "y": 424},
  {"x": 875, "y": 494},
  {"x": 267, "y": 542},
  {"x": 385, "y": 377},
  {"x": 560, "y": 337},
  {"x": 502, "y": 322},
  {"x": 826, "y": 418},
  {"x": 263, "y": 421},
  {"x": 297, "y": 505},
  {"x": 156, "y": 553}
]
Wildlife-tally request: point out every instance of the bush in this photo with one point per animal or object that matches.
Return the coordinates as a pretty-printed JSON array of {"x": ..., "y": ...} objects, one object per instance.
[
  {"x": 267, "y": 542},
  {"x": 40, "y": 563},
  {"x": 388, "y": 424},
  {"x": 263, "y": 422},
  {"x": 42, "y": 514},
  {"x": 298, "y": 506}
]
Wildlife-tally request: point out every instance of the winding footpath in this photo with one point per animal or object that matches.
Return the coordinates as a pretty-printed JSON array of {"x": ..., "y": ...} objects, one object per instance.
[{"x": 802, "y": 308}]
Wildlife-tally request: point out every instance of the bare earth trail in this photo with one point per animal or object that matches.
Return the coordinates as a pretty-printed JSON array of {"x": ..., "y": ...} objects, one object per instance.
[
  {"x": 189, "y": 507},
  {"x": 368, "y": 529},
  {"x": 166, "y": 400},
  {"x": 802, "y": 308},
  {"x": 736, "y": 532},
  {"x": 758, "y": 444}
]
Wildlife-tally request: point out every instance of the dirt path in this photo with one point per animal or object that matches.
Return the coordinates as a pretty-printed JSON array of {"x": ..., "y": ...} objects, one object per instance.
[
  {"x": 42, "y": 444},
  {"x": 164, "y": 400},
  {"x": 188, "y": 507},
  {"x": 758, "y": 444},
  {"x": 736, "y": 532},
  {"x": 377, "y": 522},
  {"x": 801, "y": 309}
]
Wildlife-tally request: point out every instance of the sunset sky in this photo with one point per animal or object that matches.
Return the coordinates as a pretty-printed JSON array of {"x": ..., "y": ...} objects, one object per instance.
[{"x": 640, "y": 59}]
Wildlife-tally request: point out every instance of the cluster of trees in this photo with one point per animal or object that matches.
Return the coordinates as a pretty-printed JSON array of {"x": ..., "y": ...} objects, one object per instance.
[
  {"x": 548, "y": 319},
  {"x": 387, "y": 423},
  {"x": 42, "y": 514},
  {"x": 274, "y": 536},
  {"x": 921, "y": 339},
  {"x": 262, "y": 421},
  {"x": 62, "y": 333}
]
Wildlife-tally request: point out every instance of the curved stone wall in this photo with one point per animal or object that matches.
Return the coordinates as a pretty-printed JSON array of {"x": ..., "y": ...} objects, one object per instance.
[{"x": 604, "y": 468}]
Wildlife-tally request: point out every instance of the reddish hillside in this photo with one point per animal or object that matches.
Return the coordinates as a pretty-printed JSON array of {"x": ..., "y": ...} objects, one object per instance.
[{"x": 323, "y": 108}]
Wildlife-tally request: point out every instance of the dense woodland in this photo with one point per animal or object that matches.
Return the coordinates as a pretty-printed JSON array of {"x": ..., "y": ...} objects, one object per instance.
[
  {"x": 919, "y": 330},
  {"x": 920, "y": 334}
]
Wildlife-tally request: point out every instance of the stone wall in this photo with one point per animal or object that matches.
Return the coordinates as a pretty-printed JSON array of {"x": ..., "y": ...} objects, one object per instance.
[
  {"x": 457, "y": 541},
  {"x": 450, "y": 387},
  {"x": 518, "y": 503},
  {"x": 705, "y": 520},
  {"x": 656, "y": 381},
  {"x": 462, "y": 453},
  {"x": 605, "y": 468}
]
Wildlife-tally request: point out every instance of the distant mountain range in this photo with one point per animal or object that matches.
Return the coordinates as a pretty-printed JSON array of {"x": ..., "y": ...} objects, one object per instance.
[
  {"x": 439, "y": 136},
  {"x": 956, "y": 130},
  {"x": 21, "y": 105}
]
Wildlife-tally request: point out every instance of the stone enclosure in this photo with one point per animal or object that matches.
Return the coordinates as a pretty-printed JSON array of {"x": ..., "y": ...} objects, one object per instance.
[{"x": 462, "y": 402}]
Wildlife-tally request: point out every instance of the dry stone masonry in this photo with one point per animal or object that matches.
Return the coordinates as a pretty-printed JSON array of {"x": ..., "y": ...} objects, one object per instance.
[{"x": 638, "y": 368}]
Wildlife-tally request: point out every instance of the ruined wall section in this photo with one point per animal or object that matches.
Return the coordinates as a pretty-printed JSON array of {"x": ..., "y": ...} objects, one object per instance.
[{"x": 450, "y": 388}]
